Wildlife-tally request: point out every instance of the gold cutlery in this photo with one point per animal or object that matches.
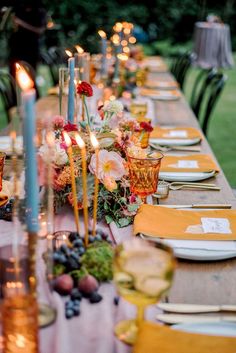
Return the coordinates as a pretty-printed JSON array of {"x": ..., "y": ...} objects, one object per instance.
[
  {"x": 195, "y": 308},
  {"x": 190, "y": 186},
  {"x": 178, "y": 318},
  {"x": 203, "y": 206},
  {"x": 175, "y": 148}
]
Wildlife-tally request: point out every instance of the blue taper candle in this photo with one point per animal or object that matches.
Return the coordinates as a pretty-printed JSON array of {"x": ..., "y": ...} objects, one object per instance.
[
  {"x": 31, "y": 170},
  {"x": 71, "y": 94}
]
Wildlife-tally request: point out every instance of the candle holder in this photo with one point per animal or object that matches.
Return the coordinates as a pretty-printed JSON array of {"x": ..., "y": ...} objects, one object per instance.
[
  {"x": 84, "y": 66},
  {"x": 19, "y": 304}
]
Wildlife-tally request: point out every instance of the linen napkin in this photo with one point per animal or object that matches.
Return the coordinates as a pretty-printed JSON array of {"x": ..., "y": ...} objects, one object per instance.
[
  {"x": 194, "y": 163},
  {"x": 164, "y": 222},
  {"x": 149, "y": 92},
  {"x": 180, "y": 132},
  {"x": 153, "y": 338},
  {"x": 6, "y": 192}
]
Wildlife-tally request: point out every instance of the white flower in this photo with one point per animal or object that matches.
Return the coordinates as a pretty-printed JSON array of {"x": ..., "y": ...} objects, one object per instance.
[
  {"x": 114, "y": 107},
  {"x": 56, "y": 155}
]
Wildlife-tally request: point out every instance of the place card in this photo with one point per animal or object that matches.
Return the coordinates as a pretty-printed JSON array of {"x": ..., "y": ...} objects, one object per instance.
[
  {"x": 216, "y": 225},
  {"x": 187, "y": 164},
  {"x": 177, "y": 133}
]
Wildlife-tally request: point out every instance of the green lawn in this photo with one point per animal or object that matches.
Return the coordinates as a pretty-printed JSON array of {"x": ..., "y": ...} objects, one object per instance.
[{"x": 222, "y": 126}]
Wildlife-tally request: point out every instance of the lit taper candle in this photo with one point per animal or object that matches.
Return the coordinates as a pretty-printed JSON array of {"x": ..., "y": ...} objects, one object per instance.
[
  {"x": 71, "y": 93},
  {"x": 72, "y": 174},
  {"x": 29, "y": 131},
  {"x": 81, "y": 145}
]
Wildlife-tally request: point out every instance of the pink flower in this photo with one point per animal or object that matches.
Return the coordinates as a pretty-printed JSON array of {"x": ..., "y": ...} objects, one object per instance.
[
  {"x": 109, "y": 183},
  {"x": 58, "y": 122},
  {"x": 110, "y": 164}
]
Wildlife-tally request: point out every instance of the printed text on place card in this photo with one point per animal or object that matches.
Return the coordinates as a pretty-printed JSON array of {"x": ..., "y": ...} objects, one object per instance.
[
  {"x": 216, "y": 225},
  {"x": 187, "y": 164},
  {"x": 177, "y": 133}
]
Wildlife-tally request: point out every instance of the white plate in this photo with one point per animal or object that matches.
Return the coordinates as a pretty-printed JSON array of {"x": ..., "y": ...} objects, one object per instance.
[
  {"x": 215, "y": 329},
  {"x": 196, "y": 254},
  {"x": 6, "y": 147},
  {"x": 175, "y": 142},
  {"x": 169, "y": 176}
]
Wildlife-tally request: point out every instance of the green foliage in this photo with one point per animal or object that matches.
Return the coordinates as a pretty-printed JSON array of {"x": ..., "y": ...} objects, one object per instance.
[
  {"x": 161, "y": 19},
  {"x": 97, "y": 261}
]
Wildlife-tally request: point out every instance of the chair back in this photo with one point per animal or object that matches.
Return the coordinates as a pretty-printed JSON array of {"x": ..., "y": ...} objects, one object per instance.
[
  {"x": 7, "y": 92},
  {"x": 200, "y": 86},
  {"x": 216, "y": 88},
  {"x": 180, "y": 67}
]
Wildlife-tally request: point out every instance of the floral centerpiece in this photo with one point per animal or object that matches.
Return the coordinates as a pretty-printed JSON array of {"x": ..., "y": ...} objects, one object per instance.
[{"x": 116, "y": 133}]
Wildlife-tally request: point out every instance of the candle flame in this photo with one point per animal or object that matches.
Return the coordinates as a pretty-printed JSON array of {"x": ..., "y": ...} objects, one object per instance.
[
  {"x": 115, "y": 39},
  {"x": 118, "y": 27},
  {"x": 94, "y": 140},
  {"x": 80, "y": 141},
  {"x": 23, "y": 78},
  {"x": 132, "y": 40},
  {"x": 67, "y": 139},
  {"x": 124, "y": 43},
  {"x": 79, "y": 49},
  {"x": 102, "y": 34},
  {"x": 122, "y": 57},
  {"x": 126, "y": 50},
  {"x": 13, "y": 135},
  {"x": 69, "y": 53},
  {"x": 127, "y": 31}
]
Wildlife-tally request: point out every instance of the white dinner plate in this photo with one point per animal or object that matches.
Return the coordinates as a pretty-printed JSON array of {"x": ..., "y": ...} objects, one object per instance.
[
  {"x": 6, "y": 145},
  {"x": 215, "y": 328},
  {"x": 196, "y": 254},
  {"x": 174, "y": 176},
  {"x": 175, "y": 142}
]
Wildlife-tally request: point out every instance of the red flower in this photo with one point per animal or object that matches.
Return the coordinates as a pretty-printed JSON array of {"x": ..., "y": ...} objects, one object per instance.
[
  {"x": 85, "y": 89},
  {"x": 70, "y": 127},
  {"x": 146, "y": 126}
]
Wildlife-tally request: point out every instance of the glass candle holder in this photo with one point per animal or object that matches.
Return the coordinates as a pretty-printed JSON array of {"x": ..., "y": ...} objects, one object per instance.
[
  {"x": 2, "y": 161},
  {"x": 143, "y": 173},
  {"x": 19, "y": 305}
]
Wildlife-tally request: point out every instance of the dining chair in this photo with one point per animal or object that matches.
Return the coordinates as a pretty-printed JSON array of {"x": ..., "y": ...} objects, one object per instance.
[
  {"x": 208, "y": 94},
  {"x": 181, "y": 66},
  {"x": 8, "y": 92},
  {"x": 200, "y": 85}
]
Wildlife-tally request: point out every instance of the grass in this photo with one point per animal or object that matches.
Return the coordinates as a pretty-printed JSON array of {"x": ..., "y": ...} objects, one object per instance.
[{"x": 222, "y": 126}]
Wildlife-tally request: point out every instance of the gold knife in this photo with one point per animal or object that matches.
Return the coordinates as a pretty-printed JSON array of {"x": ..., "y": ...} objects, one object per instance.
[
  {"x": 195, "y": 308},
  {"x": 178, "y": 318},
  {"x": 215, "y": 206}
]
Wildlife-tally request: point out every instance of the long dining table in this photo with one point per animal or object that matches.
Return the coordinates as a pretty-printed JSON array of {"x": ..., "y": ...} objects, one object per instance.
[{"x": 195, "y": 282}]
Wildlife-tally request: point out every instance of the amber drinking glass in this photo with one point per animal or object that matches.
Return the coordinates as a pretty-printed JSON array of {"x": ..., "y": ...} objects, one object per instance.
[
  {"x": 138, "y": 109},
  {"x": 143, "y": 173}
]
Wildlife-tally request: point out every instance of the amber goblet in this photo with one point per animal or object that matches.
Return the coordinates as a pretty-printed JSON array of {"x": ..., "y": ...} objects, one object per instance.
[{"x": 143, "y": 173}]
